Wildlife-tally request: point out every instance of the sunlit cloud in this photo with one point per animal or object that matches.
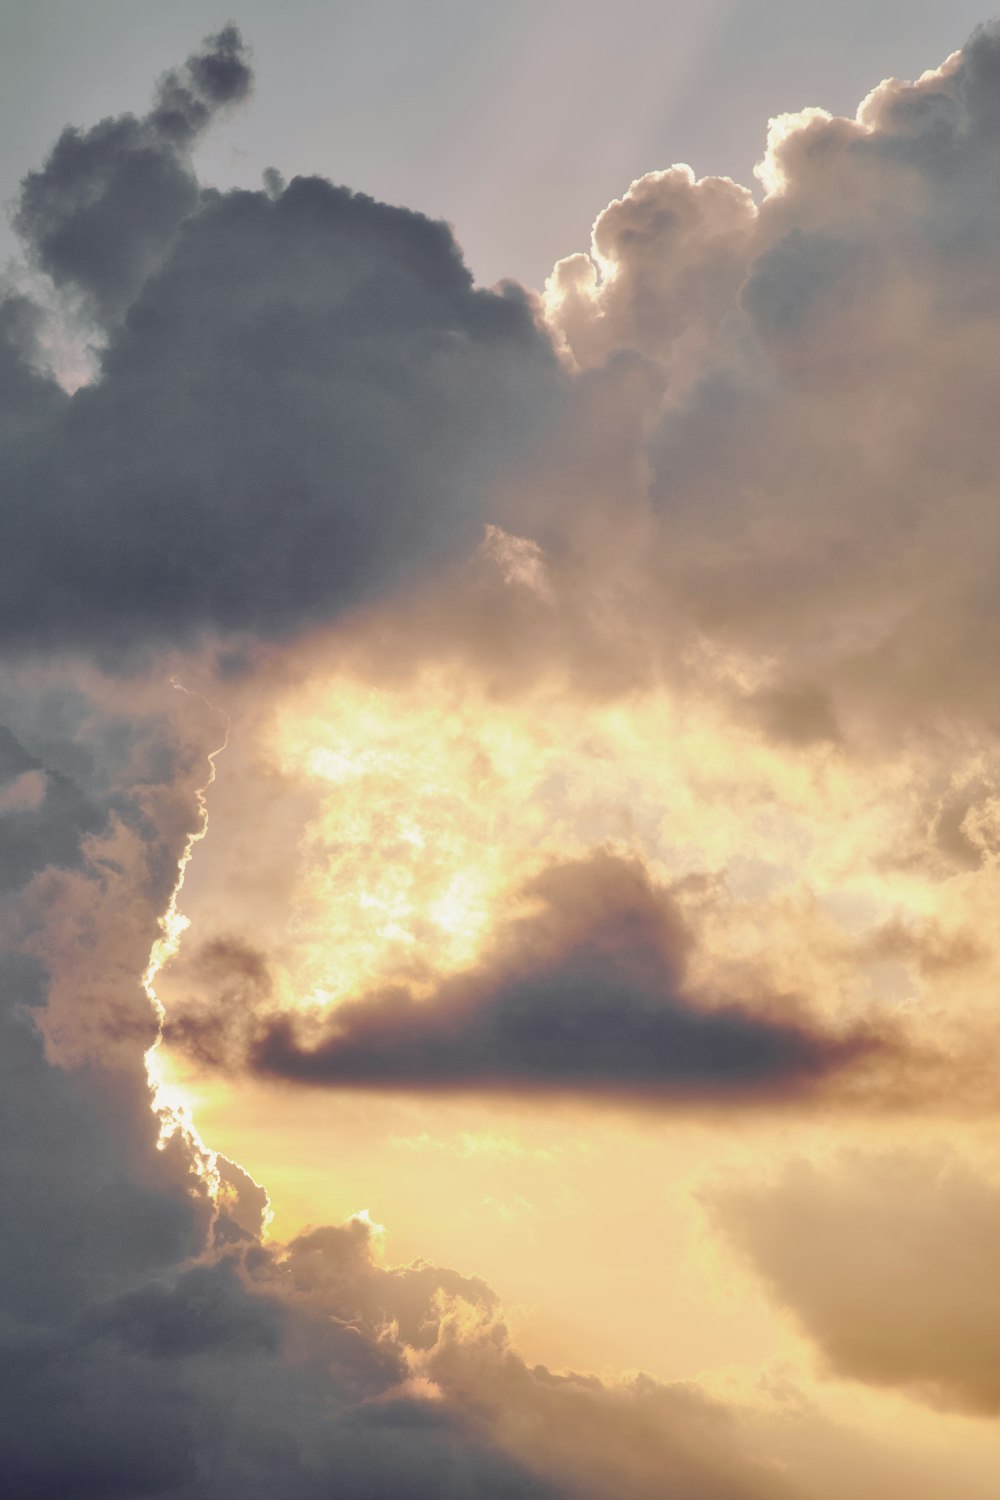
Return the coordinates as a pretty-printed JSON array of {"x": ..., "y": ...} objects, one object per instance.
[{"x": 576, "y": 837}]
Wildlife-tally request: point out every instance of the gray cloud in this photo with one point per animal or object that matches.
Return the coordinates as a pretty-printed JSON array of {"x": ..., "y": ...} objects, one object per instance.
[
  {"x": 302, "y": 396},
  {"x": 302, "y": 403},
  {"x": 42, "y": 832},
  {"x": 888, "y": 1262},
  {"x": 92, "y": 1203},
  {"x": 101, "y": 215},
  {"x": 815, "y": 420},
  {"x": 588, "y": 995},
  {"x": 150, "y": 1343}
]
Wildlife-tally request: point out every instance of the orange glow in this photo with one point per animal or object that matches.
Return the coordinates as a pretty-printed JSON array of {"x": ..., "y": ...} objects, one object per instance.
[{"x": 435, "y": 801}]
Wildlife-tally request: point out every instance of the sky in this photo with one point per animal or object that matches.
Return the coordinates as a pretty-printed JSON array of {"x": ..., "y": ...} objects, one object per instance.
[
  {"x": 515, "y": 122},
  {"x": 499, "y": 786}
]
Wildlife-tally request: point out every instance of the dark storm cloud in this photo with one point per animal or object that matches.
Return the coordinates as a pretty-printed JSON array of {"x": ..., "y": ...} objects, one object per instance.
[
  {"x": 585, "y": 995},
  {"x": 101, "y": 213},
  {"x": 44, "y": 815},
  {"x": 69, "y": 1172},
  {"x": 204, "y": 1309},
  {"x": 301, "y": 398},
  {"x": 234, "y": 1381},
  {"x": 301, "y": 393},
  {"x": 89, "y": 1202}
]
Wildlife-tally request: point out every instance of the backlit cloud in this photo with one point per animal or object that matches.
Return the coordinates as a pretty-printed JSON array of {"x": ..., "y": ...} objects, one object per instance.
[
  {"x": 586, "y": 994},
  {"x": 605, "y": 681}
]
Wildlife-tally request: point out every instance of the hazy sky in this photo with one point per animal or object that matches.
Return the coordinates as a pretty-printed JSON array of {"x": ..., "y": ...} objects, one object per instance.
[
  {"x": 500, "y": 782},
  {"x": 513, "y": 121}
]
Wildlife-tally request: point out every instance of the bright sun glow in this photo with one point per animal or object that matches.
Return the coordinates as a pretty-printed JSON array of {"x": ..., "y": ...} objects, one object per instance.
[{"x": 436, "y": 803}]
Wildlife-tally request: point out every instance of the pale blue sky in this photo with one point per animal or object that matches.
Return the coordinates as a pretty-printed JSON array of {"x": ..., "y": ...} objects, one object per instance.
[{"x": 517, "y": 121}]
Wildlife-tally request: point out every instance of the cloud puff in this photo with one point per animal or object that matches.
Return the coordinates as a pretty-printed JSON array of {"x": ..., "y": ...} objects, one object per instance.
[
  {"x": 888, "y": 1262},
  {"x": 302, "y": 396},
  {"x": 584, "y": 994},
  {"x": 805, "y": 482},
  {"x": 100, "y": 216},
  {"x": 311, "y": 1366}
]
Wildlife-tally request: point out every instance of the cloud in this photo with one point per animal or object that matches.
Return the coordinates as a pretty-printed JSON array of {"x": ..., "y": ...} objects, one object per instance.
[
  {"x": 888, "y": 1263},
  {"x": 666, "y": 261},
  {"x": 229, "y": 1380},
  {"x": 805, "y": 481},
  {"x": 586, "y": 994},
  {"x": 311, "y": 1365},
  {"x": 100, "y": 216},
  {"x": 142, "y": 1318},
  {"x": 748, "y": 452},
  {"x": 772, "y": 433},
  {"x": 302, "y": 396}
]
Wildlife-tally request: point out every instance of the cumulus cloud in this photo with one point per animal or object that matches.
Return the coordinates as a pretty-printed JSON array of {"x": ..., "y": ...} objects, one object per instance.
[
  {"x": 807, "y": 477},
  {"x": 302, "y": 396},
  {"x": 585, "y": 994},
  {"x": 745, "y": 451},
  {"x": 140, "y": 1319},
  {"x": 100, "y": 216},
  {"x": 777, "y": 437},
  {"x": 143, "y": 1318},
  {"x": 170, "y": 1350},
  {"x": 888, "y": 1262}
]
